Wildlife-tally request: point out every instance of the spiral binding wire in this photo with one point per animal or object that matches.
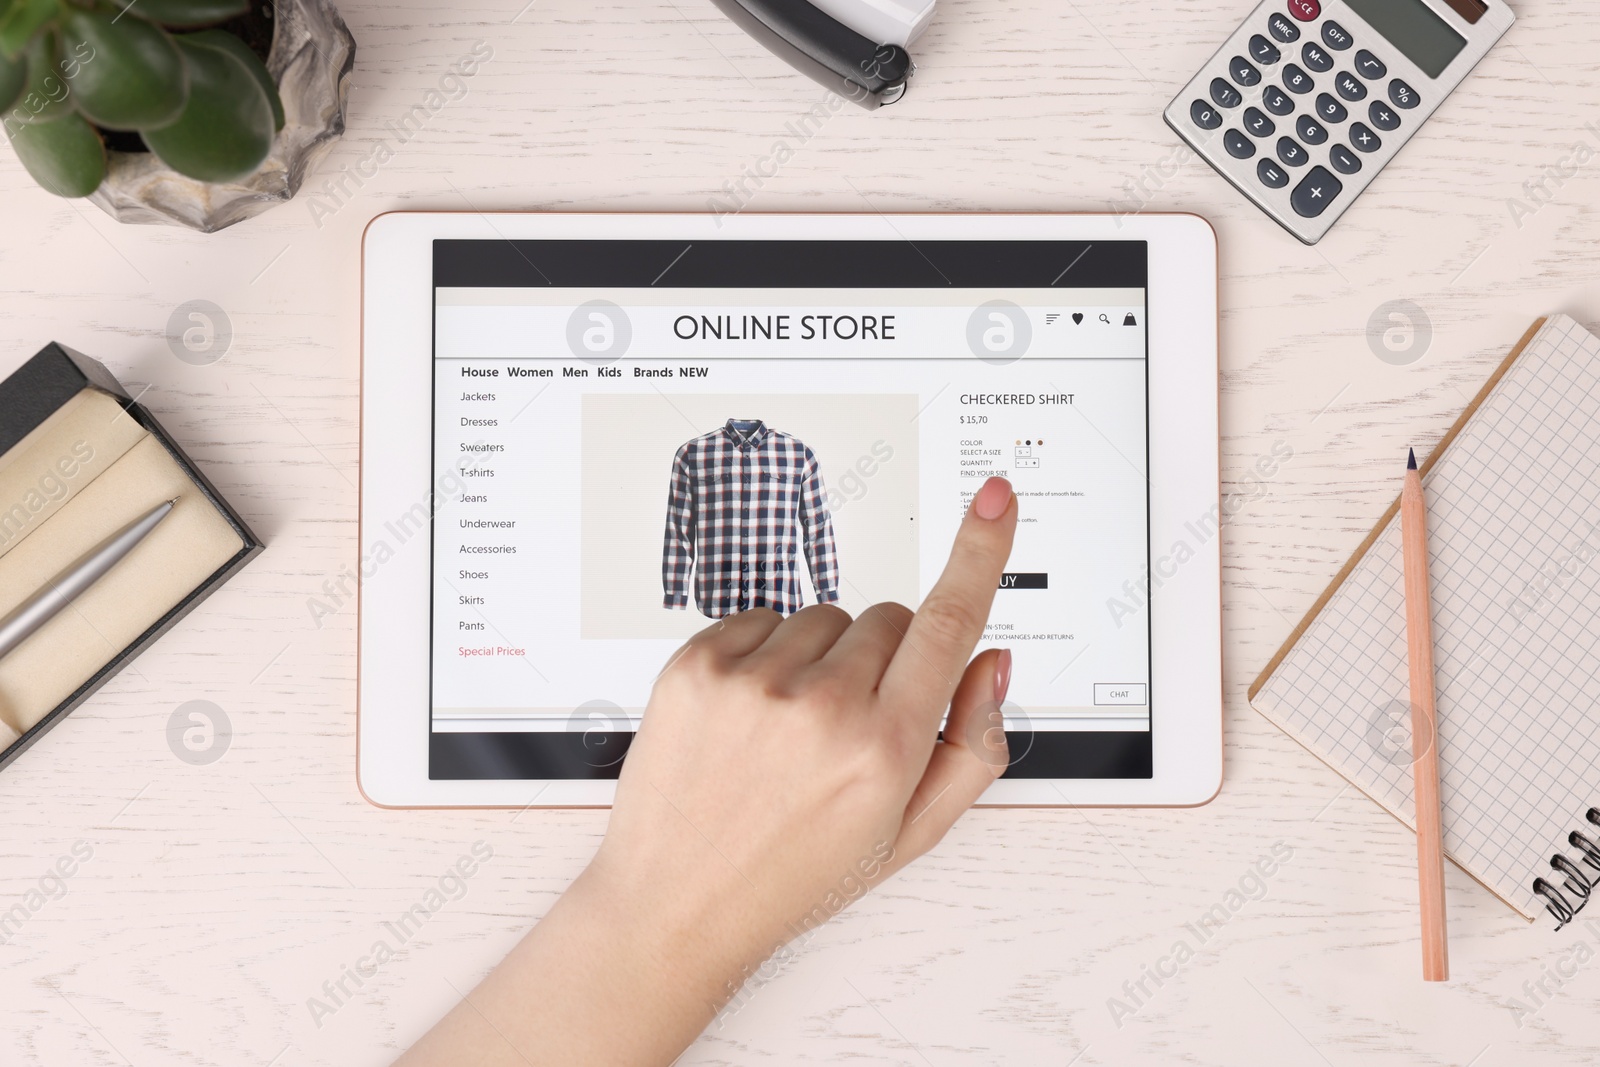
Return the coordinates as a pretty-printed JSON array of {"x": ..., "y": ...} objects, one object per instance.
[{"x": 1574, "y": 879}]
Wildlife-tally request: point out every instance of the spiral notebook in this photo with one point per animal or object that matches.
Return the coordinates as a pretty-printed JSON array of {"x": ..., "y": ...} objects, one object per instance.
[{"x": 1513, "y": 493}]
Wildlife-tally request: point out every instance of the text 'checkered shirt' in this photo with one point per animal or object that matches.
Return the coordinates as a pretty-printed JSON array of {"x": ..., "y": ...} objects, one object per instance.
[{"x": 743, "y": 498}]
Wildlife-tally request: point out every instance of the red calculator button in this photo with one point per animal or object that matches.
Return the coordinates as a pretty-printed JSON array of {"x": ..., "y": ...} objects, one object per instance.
[{"x": 1305, "y": 10}]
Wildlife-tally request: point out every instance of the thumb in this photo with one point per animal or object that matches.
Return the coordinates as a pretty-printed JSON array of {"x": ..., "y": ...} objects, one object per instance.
[{"x": 972, "y": 754}]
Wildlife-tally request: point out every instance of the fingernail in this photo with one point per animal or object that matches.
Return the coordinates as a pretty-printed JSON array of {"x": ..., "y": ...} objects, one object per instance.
[
  {"x": 1002, "y": 675},
  {"x": 993, "y": 499}
]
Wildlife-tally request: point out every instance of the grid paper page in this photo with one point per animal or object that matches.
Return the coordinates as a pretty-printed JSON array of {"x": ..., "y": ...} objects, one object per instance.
[{"x": 1514, "y": 561}]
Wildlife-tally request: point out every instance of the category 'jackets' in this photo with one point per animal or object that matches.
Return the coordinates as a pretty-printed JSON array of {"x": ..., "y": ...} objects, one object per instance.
[{"x": 743, "y": 499}]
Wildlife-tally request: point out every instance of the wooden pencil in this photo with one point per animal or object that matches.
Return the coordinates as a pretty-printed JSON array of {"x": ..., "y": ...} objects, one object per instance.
[{"x": 1424, "y": 732}]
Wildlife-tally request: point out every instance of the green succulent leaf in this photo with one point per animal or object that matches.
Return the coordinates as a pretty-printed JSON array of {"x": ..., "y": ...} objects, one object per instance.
[
  {"x": 186, "y": 13},
  {"x": 64, "y": 156},
  {"x": 130, "y": 75},
  {"x": 21, "y": 21},
  {"x": 225, "y": 131},
  {"x": 46, "y": 95},
  {"x": 13, "y": 75},
  {"x": 229, "y": 43}
]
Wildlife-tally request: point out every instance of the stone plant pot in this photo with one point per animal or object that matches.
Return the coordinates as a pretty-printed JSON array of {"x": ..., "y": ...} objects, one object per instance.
[{"x": 311, "y": 58}]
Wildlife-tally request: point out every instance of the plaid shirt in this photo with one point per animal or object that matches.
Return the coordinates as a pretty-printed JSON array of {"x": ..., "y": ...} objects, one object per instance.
[{"x": 742, "y": 498}]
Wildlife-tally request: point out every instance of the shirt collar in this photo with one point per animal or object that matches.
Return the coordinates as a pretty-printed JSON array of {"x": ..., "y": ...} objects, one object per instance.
[{"x": 746, "y": 433}]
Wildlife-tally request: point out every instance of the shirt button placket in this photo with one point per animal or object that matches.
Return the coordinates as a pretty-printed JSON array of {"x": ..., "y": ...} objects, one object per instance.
[{"x": 743, "y": 487}]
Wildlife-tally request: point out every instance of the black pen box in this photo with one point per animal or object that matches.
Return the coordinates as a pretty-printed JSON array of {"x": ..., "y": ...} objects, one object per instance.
[{"x": 79, "y": 460}]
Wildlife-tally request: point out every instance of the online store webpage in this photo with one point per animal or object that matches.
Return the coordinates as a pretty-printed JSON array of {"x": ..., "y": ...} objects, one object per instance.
[{"x": 617, "y": 467}]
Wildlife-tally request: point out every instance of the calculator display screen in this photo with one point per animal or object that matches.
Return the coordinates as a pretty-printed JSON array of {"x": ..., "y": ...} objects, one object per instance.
[{"x": 1415, "y": 29}]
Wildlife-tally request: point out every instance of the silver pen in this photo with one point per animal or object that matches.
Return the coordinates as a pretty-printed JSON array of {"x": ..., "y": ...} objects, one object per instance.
[{"x": 66, "y": 586}]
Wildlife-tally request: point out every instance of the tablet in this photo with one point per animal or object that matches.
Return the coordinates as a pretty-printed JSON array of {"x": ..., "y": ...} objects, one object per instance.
[{"x": 586, "y": 437}]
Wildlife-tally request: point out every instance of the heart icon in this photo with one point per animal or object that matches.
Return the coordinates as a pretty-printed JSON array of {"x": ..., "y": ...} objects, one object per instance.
[{"x": 1077, "y": 318}]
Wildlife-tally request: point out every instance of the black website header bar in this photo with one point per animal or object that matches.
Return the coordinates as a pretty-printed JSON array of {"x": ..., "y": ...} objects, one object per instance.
[{"x": 721, "y": 264}]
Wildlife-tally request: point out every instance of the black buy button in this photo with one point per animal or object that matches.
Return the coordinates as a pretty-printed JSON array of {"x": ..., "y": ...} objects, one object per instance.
[{"x": 1015, "y": 580}]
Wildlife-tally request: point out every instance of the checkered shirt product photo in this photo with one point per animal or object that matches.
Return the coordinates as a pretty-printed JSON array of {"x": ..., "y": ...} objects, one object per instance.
[{"x": 743, "y": 501}]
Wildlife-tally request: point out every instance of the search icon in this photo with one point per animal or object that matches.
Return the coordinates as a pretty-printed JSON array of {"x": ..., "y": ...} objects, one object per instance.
[{"x": 1104, "y": 319}]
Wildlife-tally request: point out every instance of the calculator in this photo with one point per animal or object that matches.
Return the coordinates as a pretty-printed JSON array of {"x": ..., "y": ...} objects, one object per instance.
[{"x": 1308, "y": 99}]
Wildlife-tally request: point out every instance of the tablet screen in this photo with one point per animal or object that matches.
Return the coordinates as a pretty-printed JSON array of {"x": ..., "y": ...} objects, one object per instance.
[{"x": 632, "y": 439}]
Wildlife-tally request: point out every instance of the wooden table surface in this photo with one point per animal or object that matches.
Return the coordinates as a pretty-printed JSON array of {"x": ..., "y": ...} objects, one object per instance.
[{"x": 220, "y": 898}]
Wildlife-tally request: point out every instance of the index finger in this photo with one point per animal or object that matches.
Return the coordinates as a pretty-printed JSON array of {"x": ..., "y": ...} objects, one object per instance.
[{"x": 946, "y": 628}]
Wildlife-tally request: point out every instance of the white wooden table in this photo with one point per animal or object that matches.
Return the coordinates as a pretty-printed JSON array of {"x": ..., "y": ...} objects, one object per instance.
[{"x": 220, "y": 898}]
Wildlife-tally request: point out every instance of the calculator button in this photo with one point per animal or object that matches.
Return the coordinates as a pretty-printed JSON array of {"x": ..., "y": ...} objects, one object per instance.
[
  {"x": 1315, "y": 192},
  {"x": 1263, "y": 51},
  {"x": 1402, "y": 95},
  {"x": 1276, "y": 100},
  {"x": 1344, "y": 161},
  {"x": 1224, "y": 94},
  {"x": 1335, "y": 36},
  {"x": 1329, "y": 109},
  {"x": 1316, "y": 58},
  {"x": 1297, "y": 80},
  {"x": 1243, "y": 71},
  {"x": 1305, "y": 10},
  {"x": 1283, "y": 29},
  {"x": 1310, "y": 130},
  {"x": 1257, "y": 123},
  {"x": 1351, "y": 89},
  {"x": 1364, "y": 139},
  {"x": 1204, "y": 115},
  {"x": 1290, "y": 153},
  {"x": 1271, "y": 175},
  {"x": 1382, "y": 116},
  {"x": 1238, "y": 145},
  {"x": 1369, "y": 65}
]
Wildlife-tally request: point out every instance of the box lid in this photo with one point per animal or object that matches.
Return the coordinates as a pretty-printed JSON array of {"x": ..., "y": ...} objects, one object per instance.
[{"x": 36, "y": 389}]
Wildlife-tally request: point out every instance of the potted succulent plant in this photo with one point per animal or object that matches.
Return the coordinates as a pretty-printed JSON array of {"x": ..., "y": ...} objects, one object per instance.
[{"x": 172, "y": 110}]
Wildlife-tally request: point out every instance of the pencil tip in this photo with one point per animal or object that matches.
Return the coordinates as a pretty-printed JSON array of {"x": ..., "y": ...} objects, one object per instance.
[
  {"x": 1411, "y": 459},
  {"x": 173, "y": 502}
]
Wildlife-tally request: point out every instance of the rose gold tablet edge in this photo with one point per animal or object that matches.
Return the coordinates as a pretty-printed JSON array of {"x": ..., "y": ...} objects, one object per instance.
[{"x": 360, "y": 481}]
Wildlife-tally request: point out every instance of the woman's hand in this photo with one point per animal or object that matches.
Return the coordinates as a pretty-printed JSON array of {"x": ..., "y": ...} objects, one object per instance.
[{"x": 783, "y": 767}]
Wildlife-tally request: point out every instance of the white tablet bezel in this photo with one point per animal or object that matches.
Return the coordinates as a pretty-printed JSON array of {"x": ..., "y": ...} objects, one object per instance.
[{"x": 396, "y": 414}]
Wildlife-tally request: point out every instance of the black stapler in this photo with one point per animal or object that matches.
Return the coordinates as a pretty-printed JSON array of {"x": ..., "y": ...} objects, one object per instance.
[{"x": 857, "y": 48}]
